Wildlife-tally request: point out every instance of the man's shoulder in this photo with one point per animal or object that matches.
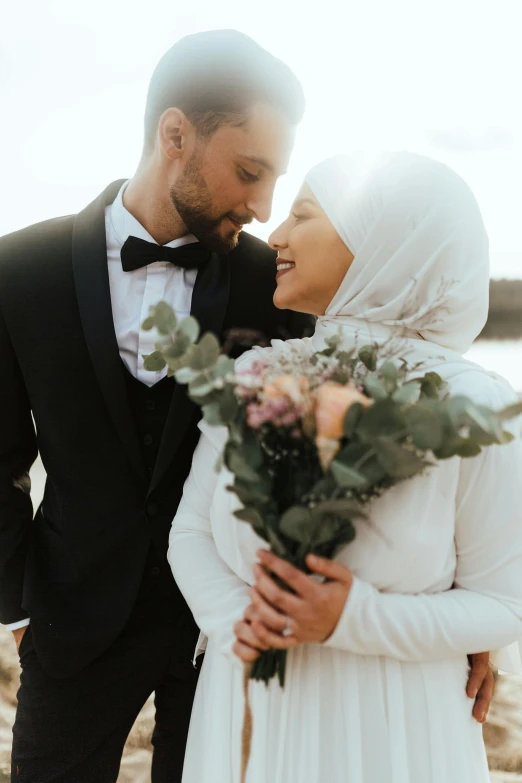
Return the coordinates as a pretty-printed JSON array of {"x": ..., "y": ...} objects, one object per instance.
[
  {"x": 37, "y": 239},
  {"x": 253, "y": 248}
]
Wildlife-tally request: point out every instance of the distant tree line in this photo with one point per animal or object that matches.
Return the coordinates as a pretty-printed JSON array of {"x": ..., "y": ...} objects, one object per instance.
[{"x": 505, "y": 310}]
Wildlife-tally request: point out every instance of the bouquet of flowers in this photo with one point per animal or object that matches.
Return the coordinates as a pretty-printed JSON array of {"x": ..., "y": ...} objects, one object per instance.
[{"x": 312, "y": 439}]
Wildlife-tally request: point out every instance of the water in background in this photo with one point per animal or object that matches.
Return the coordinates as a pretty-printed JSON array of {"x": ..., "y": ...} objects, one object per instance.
[{"x": 501, "y": 356}]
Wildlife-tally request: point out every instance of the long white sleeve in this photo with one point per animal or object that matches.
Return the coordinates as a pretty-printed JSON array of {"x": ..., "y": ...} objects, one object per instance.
[
  {"x": 484, "y": 609},
  {"x": 216, "y": 596}
]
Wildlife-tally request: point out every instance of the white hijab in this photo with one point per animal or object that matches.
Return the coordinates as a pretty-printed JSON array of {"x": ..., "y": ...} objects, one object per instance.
[{"x": 421, "y": 262}]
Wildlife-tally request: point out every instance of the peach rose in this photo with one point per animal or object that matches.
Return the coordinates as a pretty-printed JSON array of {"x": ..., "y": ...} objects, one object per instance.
[
  {"x": 332, "y": 402},
  {"x": 287, "y": 386}
]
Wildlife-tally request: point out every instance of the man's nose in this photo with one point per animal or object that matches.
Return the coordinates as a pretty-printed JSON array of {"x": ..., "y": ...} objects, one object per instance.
[{"x": 260, "y": 204}]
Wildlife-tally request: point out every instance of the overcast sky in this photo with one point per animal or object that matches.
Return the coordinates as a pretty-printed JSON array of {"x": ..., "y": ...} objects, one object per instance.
[{"x": 442, "y": 78}]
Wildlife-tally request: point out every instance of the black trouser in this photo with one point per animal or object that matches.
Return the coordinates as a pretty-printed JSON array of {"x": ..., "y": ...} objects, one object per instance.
[{"x": 73, "y": 730}]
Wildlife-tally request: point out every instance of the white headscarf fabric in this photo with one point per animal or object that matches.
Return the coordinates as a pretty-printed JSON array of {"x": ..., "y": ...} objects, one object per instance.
[{"x": 421, "y": 261}]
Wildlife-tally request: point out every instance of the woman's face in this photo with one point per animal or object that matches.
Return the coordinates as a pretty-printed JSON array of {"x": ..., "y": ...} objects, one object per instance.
[{"x": 312, "y": 258}]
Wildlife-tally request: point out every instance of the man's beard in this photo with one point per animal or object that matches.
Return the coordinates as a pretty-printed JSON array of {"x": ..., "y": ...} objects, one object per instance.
[{"x": 193, "y": 202}]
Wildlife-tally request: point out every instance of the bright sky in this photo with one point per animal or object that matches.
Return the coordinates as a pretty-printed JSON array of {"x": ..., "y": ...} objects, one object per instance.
[{"x": 439, "y": 77}]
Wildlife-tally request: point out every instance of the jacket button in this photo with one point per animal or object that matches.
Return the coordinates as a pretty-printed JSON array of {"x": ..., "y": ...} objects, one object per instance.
[
  {"x": 151, "y": 405},
  {"x": 155, "y": 571},
  {"x": 152, "y": 509},
  {"x": 147, "y": 440}
]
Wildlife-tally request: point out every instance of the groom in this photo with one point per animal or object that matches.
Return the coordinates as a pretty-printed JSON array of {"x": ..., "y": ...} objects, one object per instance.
[{"x": 85, "y": 586}]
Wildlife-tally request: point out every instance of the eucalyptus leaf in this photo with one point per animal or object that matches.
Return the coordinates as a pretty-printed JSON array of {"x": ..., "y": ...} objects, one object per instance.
[
  {"x": 425, "y": 427},
  {"x": 186, "y": 375},
  {"x": 352, "y": 418},
  {"x": 228, "y": 404},
  {"x": 275, "y": 542},
  {"x": 176, "y": 348},
  {"x": 389, "y": 374},
  {"x": 368, "y": 356},
  {"x": 347, "y": 477},
  {"x": 200, "y": 387},
  {"x": 407, "y": 393},
  {"x": 237, "y": 463},
  {"x": 253, "y": 517},
  {"x": 189, "y": 326},
  {"x": 468, "y": 449},
  {"x": 148, "y": 324},
  {"x": 164, "y": 317},
  {"x": 375, "y": 388},
  {"x": 383, "y": 418},
  {"x": 344, "y": 508},
  {"x": 212, "y": 415},
  {"x": 296, "y": 524},
  {"x": 205, "y": 353},
  {"x": 510, "y": 412},
  {"x": 224, "y": 366},
  {"x": 154, "y": 361},
  {"x": 431, "y": 385},
  {"x": 398, "y": 462}
]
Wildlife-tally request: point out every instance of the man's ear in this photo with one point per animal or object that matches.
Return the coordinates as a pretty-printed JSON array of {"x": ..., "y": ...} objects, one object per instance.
[{"x": 172, "y": 133}]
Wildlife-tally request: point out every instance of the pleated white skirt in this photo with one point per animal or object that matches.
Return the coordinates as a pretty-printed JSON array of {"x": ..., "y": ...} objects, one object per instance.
[{"x": 342, "y": 718}]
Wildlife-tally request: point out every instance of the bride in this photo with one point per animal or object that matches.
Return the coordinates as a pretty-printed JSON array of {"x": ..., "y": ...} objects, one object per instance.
[{"x": 377, "y": 664}]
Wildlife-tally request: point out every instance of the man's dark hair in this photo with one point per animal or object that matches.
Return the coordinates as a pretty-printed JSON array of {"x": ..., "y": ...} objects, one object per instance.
[{"x": 214, "y": 78}]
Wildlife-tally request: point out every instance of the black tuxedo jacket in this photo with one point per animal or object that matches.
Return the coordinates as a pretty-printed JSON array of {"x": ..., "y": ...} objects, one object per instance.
[{"x": 75, "y": 569}]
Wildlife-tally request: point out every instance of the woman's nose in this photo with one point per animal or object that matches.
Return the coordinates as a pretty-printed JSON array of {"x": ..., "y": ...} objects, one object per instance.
[{"x": 277, "y": 239}]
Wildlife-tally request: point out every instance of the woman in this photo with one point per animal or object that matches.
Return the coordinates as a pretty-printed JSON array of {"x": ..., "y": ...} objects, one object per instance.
[{"x": 376, "y": 674}]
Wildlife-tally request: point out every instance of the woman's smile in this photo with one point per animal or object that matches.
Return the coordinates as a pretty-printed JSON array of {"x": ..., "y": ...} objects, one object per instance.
[{"x": 283, "y": 267}]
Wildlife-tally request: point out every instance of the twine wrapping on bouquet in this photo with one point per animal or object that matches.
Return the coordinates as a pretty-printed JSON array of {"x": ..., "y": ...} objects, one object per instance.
[{"x": 246, "y": 733}]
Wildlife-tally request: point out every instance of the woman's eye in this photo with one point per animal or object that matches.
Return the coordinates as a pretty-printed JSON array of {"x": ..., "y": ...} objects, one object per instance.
[
  {"x": 299, "y": 216},
  {"x": 247, "y": 176}
]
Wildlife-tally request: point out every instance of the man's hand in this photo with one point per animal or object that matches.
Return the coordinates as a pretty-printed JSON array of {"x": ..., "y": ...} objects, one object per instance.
[
  {"x": 19, "y": 635},
  {"x": 480, "y": 685}
]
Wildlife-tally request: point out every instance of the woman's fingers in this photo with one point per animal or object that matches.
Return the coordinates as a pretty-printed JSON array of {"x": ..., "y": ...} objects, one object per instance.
[
  {"x": 293, "y": 577},
  {"x": 244, "y": 652},
  {"x": 245, "y": 633},
  {"x": 275, "y": 595},
  {"x": 271, "y": 639},
  {"x": 261, "y": 611},
  {"x": 331, "y": 569}
]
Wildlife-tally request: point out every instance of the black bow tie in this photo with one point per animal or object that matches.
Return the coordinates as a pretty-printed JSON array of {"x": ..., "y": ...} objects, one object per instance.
[{"x": 137, "y": 253}]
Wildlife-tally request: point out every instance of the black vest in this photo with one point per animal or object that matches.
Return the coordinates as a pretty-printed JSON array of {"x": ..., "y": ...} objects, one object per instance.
[{"x": 149, "y": 406}]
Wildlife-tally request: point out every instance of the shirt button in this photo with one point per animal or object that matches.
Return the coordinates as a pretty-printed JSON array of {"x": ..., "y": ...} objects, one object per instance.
[
  {"x": 147, "y": 440},
  {"x": 151, "y": 405},
  {"x": 155, "y": 571},
  {"x": 152, "y": 509}
]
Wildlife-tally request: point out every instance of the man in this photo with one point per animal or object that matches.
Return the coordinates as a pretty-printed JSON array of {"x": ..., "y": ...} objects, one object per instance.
[{"x": 107, "y": 624}]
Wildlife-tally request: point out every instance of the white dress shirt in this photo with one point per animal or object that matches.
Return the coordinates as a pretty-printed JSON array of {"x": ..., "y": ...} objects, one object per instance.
[{"x": 133, "y": 293}]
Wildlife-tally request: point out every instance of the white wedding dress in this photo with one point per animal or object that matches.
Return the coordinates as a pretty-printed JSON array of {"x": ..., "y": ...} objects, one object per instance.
[{"x": 438, "y": 575}]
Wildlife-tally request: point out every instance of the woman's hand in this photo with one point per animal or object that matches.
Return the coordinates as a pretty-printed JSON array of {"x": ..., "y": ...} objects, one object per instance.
[
  {"x": 280, "y": 619},
  {"x": 248, "y": 646}
]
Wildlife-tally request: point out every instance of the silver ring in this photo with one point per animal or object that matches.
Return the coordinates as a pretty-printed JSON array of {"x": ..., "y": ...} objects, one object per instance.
[{"x": 287, "y": 630}]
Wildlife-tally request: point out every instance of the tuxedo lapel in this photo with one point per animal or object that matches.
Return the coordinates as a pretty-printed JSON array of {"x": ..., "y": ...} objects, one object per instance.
[
  {"x": 91, "y": 277},
  {"x": 209, "y": 306}
]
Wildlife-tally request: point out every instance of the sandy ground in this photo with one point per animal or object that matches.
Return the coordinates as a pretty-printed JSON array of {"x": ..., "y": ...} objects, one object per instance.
[{"x": 503, "y": 732}]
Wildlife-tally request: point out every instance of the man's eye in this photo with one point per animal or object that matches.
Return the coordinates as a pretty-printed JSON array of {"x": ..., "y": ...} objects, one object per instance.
[
  {"x": 247, "y": 176},
  {"x": 298, "y": 216}
]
